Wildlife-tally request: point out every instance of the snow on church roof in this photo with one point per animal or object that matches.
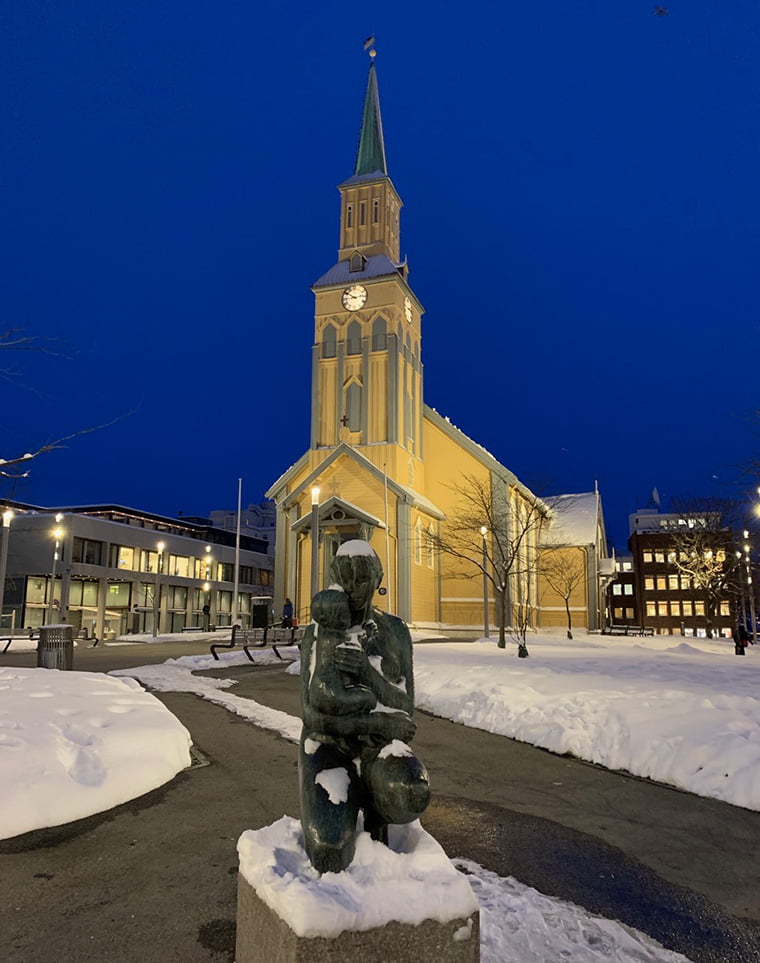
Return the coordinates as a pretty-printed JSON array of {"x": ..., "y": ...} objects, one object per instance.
[{"x": 575, "y": 519}]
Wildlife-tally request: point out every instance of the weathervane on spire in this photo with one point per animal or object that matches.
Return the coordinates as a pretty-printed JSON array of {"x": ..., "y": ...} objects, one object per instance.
[{"x": 369, "y": 44}]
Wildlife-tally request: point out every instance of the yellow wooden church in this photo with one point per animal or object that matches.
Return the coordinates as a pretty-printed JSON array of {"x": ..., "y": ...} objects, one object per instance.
[{"x": 382, "y": 465}]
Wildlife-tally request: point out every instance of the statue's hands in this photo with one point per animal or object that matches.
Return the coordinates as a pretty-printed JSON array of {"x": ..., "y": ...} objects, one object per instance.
[
  {"x": 352, "y": 659},
  {"x": 397, "y": 725}
]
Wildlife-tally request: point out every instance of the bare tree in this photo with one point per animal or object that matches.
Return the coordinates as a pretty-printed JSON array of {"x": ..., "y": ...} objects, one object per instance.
[
  {"x": 563, "y": 570},
  {"x": 14, "y": 339},
  {"x": 704, "y": 551},
  {"x": 511, "y": 518}
]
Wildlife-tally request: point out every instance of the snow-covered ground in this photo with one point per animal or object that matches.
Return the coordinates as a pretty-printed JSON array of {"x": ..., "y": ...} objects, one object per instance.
[
  {"x": 77, "y": 743},
  {"x": 682, "y": 712}
]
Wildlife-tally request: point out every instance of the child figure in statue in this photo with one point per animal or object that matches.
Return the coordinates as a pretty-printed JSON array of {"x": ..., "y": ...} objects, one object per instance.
[{"x": 357, "y": 698}]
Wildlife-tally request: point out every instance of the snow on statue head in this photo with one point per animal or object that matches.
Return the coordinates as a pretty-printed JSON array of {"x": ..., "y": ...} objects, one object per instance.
[{"x": 357, "y": 570}]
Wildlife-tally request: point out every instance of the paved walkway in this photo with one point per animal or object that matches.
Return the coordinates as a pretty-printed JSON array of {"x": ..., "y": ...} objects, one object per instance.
[{"x": 155, "y": 878}]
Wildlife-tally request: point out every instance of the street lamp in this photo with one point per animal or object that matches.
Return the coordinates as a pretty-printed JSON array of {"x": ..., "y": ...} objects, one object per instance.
[
  {"x": 58, "y": 535},
  {"x": 750, "y": 587},
  {"x": 160, "y": 547},
  {"x": 314, "y": 541},
  {"x": 484, "y": 532},
  {"x": 7, "y": 518}
]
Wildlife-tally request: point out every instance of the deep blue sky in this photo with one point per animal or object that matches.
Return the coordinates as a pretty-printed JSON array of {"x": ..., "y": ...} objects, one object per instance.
[{"x": 582, "y": 224}]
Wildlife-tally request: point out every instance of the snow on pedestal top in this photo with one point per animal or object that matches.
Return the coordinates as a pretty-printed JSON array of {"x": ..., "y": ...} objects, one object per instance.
[{"x": 409, "y": 881}]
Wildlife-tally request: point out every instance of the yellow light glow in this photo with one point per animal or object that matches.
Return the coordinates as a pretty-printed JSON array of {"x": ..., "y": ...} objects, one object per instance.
[
  {"x": 315, "y": 495},
  {"x": 8, "y": 516},
  {"x": 57, "y": 533},
  {"x": 161, "y": 546}
]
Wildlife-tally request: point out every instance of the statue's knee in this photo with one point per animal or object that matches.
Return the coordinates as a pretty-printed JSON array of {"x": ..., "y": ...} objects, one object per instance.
[{"x": 399, "y": 788}]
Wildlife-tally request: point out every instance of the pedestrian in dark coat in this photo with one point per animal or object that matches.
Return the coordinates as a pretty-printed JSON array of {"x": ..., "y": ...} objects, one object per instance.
[{"x": 287, "y": 614}]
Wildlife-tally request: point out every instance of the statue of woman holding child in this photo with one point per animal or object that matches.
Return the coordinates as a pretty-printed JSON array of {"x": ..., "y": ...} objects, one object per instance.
[{"x": 357, "y": 700}]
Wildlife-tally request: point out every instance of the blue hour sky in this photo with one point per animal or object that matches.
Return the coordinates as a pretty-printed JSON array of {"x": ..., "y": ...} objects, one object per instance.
[{"x": 581, "y": 219}]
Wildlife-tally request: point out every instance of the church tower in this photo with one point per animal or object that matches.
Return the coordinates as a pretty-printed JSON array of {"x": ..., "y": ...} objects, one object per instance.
[{"x": 366, "y": 362}]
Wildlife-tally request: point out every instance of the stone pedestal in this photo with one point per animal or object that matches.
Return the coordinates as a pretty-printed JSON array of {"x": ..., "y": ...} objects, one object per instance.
[
  {"x": 262, "y": 937},
  {"x": 404, "y": 906}
]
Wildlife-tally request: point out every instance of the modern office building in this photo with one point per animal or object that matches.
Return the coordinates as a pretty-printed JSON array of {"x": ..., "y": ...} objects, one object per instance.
[
  {"x": 671, "y": 598},
  {"x": 110, "y": 570}
]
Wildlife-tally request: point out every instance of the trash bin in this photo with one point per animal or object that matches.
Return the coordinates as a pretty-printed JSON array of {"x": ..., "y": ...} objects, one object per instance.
[{"x": 55, "y": 648}]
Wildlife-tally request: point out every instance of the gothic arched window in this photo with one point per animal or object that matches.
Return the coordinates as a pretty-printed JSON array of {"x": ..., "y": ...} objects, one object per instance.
[
  {"x": 328, "y": 341},
  {"x": 354, "y": 338},
  {"x": 354, "y": 406},
  {"x": 378, "y": 334}
]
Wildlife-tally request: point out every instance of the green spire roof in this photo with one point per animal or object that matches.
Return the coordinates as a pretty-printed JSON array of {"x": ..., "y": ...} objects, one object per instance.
[{"x": 370, "y": 156}]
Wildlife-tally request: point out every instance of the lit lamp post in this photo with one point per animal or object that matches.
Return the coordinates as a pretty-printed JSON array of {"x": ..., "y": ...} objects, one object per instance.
[
  {"x": 750, "y": 587},
  {"x": 484, "y": 532},
  {"x": 58, "y": 535},
  {"x": 7, "y": 518},
  {"x": 160, "y": 547},
  {"x": 207, "y": 591},
  {"x": 314, "y": 541}
]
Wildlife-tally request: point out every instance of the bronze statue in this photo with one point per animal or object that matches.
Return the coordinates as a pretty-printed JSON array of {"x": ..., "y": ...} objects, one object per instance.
[{"x": 357, "y": 699}]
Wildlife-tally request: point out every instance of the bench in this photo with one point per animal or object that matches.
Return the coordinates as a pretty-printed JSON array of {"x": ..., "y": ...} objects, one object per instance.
[
  {"x": 628, "y": 630},
  {"x": 268, "y": 637},
  {"x": 17, "y": 638}
]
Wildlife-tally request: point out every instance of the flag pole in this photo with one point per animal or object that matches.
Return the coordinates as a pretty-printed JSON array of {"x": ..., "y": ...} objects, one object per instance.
[{"x": 236, "y": 584}]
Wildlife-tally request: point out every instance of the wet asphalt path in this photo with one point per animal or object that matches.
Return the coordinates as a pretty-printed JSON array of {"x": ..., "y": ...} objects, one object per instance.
[{"x": 155, "y": 879}]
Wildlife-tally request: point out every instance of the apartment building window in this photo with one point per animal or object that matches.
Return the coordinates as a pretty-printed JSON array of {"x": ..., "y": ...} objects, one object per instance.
[
  {"x": 618, "y": 613},
  {"x": 649, "y": 584},
  {"x": 179, "y": 565},
  {"x": 699, "y": 608},
  {"x": 659, "y": 557},
  {"x": 662, "y": 608},
  {"x": 673, "y": 582},
  {"x": 627, "y": 567},
  {"x": 629, "y": 613},
  {"x": 662, "y": 583},
  {"x": 647, "y": 556},
  {"x": 265, "y": 576},
  {"x": 628, "y": 589},
  {"x": 725, "y": 608},
  {"x": 617, "y": 589},
  {"x": 121, "y": 556},
  {"x": 688, "y": 608},
  {"x": 651, "y": 608},
  {"x": 87, "y": 551},
  {"x": 675, "y": 609}
]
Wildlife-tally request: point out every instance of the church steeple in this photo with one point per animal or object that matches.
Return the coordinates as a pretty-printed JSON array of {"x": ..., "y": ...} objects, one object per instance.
[
  {"x": 370, "y": 157},
  {"x": 370, "y": 205}
]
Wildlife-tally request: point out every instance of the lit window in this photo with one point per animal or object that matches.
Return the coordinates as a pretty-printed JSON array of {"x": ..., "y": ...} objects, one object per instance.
[
  {"x": 725, "y": 608},
  {"x": 675, "y": 609},
  {"x": 673, "y": 582},
  {"x": 649, "y": 584},
  {"x": 628, "y": 589},
  {"x": 651, "y": 608},
  {"x": 617, "y": 589},
  {"x": 647, "y": 556},
  {"x": 662, "y": 583},
  {"x": 618, "y": 613},
  {"x": 662, "y": 608},
  {"x": 672, "y": 556},
  {"x": 659, "y": 557},
  {"x": 629, "y": 613},
  {"x": 688, "y": 608},
  {"x": 627, "y": 567},
  {"x": 699, "y": 608},
  {"x": 720, "y": 555}
]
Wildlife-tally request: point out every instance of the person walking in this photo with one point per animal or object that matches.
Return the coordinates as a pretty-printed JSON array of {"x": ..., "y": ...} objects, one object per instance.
[{"x": 287, "y": 614}]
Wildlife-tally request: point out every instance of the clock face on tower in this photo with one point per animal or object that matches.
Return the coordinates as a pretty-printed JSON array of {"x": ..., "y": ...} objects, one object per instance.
[
  {"x": 408, "y": 310},
  {"x": 354, "y": 297}
]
